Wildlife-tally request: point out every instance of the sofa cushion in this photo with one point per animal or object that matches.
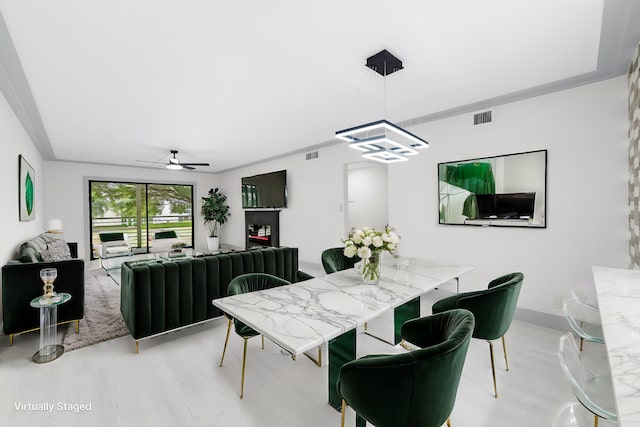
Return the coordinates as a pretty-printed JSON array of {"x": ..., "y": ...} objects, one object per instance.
[
  {"x": 30, "y": 250},
  {"x": 57, "y": 250}
]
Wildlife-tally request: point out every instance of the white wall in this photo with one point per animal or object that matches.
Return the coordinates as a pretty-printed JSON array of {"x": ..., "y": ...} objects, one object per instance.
[
  {"x": 66, "y": 194},
  {"x": 314, "y": 218},
  {"x": 584, "y": 130},
  {"x": 15, "y": 141}
]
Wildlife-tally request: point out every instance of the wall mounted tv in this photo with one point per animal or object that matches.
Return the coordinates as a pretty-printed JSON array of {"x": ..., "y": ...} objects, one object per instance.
[
  {"x": 507, "y": 190},
  {"x": 268, "y": 190}
]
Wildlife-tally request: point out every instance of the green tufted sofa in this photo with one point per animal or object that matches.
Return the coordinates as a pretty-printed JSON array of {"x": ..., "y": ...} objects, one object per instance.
[
  {"x": 21, "y": 283},
  {"x": 159, "y": 297}
]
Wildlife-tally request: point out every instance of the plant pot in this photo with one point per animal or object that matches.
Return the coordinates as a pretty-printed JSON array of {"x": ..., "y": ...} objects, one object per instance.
[{"x": 213, "y": 243}]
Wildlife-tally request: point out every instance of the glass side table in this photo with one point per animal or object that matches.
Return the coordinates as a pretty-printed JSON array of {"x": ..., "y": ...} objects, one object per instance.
[{"x": 49, "y": 350}]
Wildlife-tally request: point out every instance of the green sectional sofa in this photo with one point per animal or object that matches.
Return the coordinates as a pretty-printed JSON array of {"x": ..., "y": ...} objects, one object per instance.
[
  {"x": 158, "y": 297},
  {"x": 21, "y": 283}
]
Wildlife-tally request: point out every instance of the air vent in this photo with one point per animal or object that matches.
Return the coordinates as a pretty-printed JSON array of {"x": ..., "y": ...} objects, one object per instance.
[
  {"x": 312, "y": 155},
  {"x": 480, "y": 118}
]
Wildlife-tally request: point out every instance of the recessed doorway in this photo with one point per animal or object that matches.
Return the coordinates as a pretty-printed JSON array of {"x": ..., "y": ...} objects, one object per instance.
[{"x": 367, "y": 196}]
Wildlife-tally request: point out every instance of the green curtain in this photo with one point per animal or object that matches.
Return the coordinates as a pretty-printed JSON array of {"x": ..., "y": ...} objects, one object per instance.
[{"x": 476, "y": 177}]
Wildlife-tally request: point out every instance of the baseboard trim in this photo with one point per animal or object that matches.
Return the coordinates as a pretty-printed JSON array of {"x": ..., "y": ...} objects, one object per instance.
[
  {"x": 311, "y": 267},
  {"x": 542, "y": 319}
]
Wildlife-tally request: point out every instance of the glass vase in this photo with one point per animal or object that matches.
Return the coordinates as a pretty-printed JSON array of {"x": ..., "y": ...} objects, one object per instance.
[{"x": 370, "y": 269}]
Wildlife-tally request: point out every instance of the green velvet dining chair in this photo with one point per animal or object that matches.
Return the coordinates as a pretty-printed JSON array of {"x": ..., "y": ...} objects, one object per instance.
[
  {"x": 493, "y": 310},
  {"x": 333, "y": 259},
  {"x": 242, "y": 284},
  {"x": 411, "y": 389}
]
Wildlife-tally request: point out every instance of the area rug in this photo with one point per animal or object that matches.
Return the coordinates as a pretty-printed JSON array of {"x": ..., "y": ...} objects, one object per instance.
[{"x": 102, "y": 318}]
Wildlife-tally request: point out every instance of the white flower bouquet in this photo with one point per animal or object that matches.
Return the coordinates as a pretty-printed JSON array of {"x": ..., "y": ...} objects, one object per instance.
[{"x": 368, "y": 243}]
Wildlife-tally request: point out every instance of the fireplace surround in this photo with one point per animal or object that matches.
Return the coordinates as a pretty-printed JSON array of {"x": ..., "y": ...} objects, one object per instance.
[{"x": 262, "y": 229}]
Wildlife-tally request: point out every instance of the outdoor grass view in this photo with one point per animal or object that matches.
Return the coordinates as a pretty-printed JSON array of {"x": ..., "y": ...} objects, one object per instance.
[{"x": 139, "y": 211}]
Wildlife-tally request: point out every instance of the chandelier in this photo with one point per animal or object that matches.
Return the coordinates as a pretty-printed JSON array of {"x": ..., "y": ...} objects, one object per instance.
[{"x": 382, "y": 140}]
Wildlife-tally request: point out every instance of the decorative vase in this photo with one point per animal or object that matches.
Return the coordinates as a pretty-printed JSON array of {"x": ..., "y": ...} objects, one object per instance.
[
  {"x": 213, "y": 243},
  {"x": 370, "y": 269},
  {"x": 48, "y": 276}
]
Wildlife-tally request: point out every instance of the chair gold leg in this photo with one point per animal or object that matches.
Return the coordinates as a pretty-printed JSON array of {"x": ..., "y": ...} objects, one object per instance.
[
  {"x": 244, "y": 362},
  {"x": 344, "y": 407},
  {"x": 226, "y": 340},
  {"x": 595, "y": 421},
  {"x": 137, "y": 347},
  {"x": 493, "y": 370},
  {"x": 10, "y": 340},
  {"x": 504, "y": 349},
  {"x": 404, "y": 345},
  {"x": 77, "y": 326},
  {"x": 581, "y": 342},
  {"x": 448, "y": 422},
  {"x": 262, "y": 336}
]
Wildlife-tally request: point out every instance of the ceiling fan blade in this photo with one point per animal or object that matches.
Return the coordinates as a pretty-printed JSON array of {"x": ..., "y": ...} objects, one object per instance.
[
  {"x": 195, "y": 164},
  {"x": 147, "y": 161},
  {"x": 186, "y": 167}
]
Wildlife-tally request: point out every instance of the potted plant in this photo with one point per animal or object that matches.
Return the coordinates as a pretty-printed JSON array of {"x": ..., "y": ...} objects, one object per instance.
[
  {"x": 177, "y": 247},
  {"x": 215, "y": 213}
]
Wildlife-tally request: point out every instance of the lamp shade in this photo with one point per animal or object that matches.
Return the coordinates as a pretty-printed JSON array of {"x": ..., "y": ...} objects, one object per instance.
[{"x": 54, "y": 225}]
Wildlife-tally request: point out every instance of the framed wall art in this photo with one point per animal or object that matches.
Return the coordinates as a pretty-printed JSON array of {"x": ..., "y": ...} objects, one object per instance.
[
  {"x": 27, "y": 189},
  {"x": 509, "y": 190}
]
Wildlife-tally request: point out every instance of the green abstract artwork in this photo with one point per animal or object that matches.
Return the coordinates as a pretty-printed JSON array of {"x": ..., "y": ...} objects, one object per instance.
[{"x": 27, "y": 190}]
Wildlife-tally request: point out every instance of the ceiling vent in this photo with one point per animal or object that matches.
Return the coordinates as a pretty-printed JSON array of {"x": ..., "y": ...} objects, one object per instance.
[
  {"x": 312, "y": 155},
  {"x": 484, "y": 117}
]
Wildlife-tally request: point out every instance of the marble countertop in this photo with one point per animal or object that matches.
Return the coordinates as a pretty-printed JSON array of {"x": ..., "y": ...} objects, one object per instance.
[
  {"x": 304, "y": 315},
  {"x": 618, "y": 293}
]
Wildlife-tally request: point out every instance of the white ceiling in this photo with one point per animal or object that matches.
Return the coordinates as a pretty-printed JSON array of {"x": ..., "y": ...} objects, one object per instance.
[{"x": 232, "y": 83}]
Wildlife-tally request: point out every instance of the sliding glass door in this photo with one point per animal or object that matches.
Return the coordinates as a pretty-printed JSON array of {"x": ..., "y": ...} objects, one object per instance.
[{"x": 147, "y": 217}]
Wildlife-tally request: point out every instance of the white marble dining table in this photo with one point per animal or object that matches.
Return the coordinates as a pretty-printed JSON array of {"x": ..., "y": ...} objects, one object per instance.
[
  {"x": 327, "y": 310},
  {"x": 618, "y": 292}
]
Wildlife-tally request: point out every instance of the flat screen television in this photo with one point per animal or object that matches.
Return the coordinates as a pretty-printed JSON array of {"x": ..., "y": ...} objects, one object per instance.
[
  {"x": 506, "y": 205},
  {"x": 267, "y": 190}
]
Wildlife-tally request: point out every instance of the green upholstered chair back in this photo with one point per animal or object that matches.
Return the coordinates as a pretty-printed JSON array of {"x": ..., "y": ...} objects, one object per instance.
[
  {"x": 171, "y": 234},
  {"x": 333, "y": 260},
  {"x": 411, "y": 389},
  {"x": 252, "y": 282},
  {"x": 111, "y": 237},
  {"x": 493, "y": 307}
]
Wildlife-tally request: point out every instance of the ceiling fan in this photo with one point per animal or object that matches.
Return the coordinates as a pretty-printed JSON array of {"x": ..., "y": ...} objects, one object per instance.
[{"x": 175, "y": 164}]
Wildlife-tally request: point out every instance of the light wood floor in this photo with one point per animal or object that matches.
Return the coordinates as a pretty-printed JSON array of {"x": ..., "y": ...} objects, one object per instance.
[{"x": 175, "y": 380}]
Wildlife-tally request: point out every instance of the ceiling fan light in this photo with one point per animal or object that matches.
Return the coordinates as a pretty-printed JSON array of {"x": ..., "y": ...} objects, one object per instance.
[{"x": 174, "y": 166}]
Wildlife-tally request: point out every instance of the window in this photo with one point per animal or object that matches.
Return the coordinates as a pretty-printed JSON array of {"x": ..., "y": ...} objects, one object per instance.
[{"x": 140, "y": 217}]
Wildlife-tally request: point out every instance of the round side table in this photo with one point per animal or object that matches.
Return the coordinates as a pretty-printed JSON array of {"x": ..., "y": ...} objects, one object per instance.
[{"x": 49, "y": 350}]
